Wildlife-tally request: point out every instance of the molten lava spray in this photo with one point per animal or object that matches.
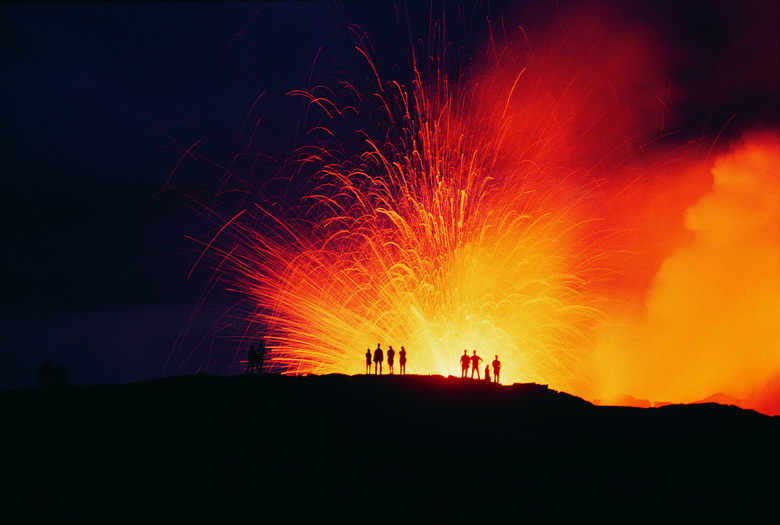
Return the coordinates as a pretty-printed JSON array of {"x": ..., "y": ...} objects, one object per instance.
[
  {"x": 712, "y": 317},
  {"x": 440, "y": 241},
  {"x": 464, "y": 217},
  {"x": 477, "y": 210}
]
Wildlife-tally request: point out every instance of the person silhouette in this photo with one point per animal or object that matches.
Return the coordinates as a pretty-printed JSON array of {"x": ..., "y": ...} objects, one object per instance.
[
  {"x": 464, "y": 363},
  {"x": 60, "y": 374},
  {"x": 251, "y": 359},
  {"x": 496, "y": 369},
  {"x": 390, "y": 359},
  {"x": 475, "y": 360},
  {"x": 379, "y": 356},
  {"x": 487, "y": 373},
  {"x": 46, "y": 373},
  {"x": 260, "y": 356},
  {"x": 402, "y": 361},
  {"x": 368, "y": 361}
]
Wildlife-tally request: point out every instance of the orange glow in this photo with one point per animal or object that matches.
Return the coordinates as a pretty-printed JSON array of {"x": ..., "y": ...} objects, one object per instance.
[
  {"x": 711, "y": 322},
  {"x": 500, "y": 212},
  {"x": 464, "y": 220}
]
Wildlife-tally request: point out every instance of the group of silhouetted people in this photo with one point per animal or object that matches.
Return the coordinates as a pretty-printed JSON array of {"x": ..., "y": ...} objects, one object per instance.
[
  {"x": 255, "y": 358},
  {"x": 378, "y": 358},
  {"x": 52, "y": 374},
  {"x": 472, "y": 361}
]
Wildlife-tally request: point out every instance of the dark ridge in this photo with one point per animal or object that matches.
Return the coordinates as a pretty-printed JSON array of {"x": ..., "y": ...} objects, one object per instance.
[{"x": 336, "y": 438}]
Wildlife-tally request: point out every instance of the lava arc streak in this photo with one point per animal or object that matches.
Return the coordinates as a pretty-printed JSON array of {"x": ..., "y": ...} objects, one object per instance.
[{"x": 442, "y": 232}]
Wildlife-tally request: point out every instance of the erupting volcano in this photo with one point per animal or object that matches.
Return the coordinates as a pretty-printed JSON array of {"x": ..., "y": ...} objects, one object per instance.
[{"x": 522, "y": 201}]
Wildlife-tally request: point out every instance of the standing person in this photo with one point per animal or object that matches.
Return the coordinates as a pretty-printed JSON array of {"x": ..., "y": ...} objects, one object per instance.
[
  {"x": 260, "y": 359},
  {"x": 487, "y": 373},
  {"x": 379, "y": 356},
  {"x": 496, "y": 369},
  {"x": 402, "y": 360},
  {"x": 390, "y": 358},
  {"x": 464, "y": 363},
  {"x": 475, "y": 361},
  {"x": 251, "y": 358},
  {"x": 368, "y": 361}
]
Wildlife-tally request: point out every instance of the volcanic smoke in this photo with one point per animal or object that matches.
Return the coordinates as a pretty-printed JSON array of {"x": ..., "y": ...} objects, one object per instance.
[{"x": 711, "y": 322}]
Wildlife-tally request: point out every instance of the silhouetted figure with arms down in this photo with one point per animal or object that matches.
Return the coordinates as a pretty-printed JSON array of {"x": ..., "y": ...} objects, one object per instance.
[
  {"x": 368, "y": 361},
  {"x": 402, "y": 360},
  {"x": 60, "y": 374},
  {"x": 251, "y": 359},
  {"x": 379, "y": 356},
  {"x": 46, "y": 373},
  {"x": 496, "y": 369},
  {"x": 475, "y": 361},
  {"x": 390, "y": 359},
  {"x": 260, "y": 356},
  {"x": 465, "y": 361},
  {"x": 52, "y": 374},
  {"x": 487, "y": 373}
]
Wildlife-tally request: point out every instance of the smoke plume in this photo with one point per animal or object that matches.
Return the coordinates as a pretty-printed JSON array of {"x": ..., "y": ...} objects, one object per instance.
[{"x": 711, "y": 319}]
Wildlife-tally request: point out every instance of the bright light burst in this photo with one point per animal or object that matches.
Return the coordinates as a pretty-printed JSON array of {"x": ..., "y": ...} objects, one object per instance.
[
  {"x": 527, "y": 201},
  {"x": 452, "y": 223}
]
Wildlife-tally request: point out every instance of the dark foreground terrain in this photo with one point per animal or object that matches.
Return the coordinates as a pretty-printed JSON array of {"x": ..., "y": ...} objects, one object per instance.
[{"x": 371, "y": 446}]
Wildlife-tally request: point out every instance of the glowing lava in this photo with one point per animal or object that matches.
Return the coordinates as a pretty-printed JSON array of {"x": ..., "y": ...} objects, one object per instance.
[
  {"x": 453, "y": 224},
  {"x": 477, "y": 214}
]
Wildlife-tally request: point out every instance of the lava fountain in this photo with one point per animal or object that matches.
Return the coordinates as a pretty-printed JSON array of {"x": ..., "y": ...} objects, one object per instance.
[
  {"x": 464, "y": 205},
  {"x": 455, "y": 221}
]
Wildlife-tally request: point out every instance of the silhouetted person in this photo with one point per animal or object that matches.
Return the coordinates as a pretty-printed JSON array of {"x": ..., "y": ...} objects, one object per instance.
[
  {"x": 260, "y": 356},
  {"x": 487, "y": 373},
  {"x": 60, "y": 374},
  {"x": 368, "y": 361},
  {"x": 390, "y": 359},
  {"x": 52, "y": 374},
  {"x": 475, "y": 361},
  {"x": 402, "y": 360},
  {"x": 251, "y": 359},
  {"x": 496, "y": 369},
  {"x": 464, "y": 364},
  {"x": 379, "y": 356},
  {"x": 45, "y": 373}
]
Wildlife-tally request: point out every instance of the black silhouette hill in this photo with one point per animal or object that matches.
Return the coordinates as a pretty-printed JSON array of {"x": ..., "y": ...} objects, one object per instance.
[{"x": 367, "y": 443}]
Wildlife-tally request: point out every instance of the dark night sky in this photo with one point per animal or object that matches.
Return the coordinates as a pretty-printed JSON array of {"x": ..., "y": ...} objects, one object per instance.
[{"x": 93, "y": 95}]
